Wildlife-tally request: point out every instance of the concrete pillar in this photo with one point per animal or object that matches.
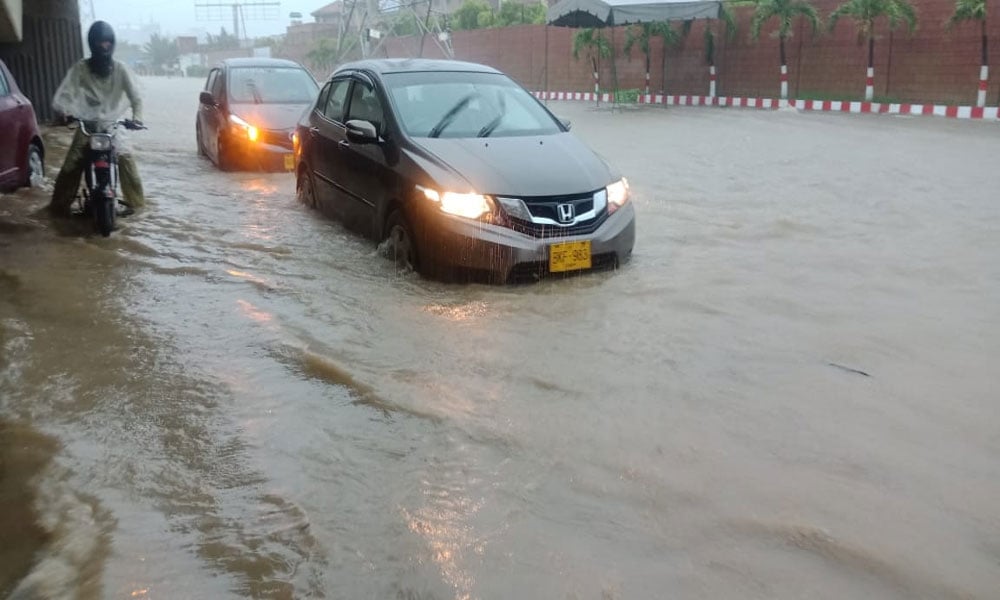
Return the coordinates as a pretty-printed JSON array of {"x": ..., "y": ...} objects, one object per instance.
[{"x": 50, "y": 45}]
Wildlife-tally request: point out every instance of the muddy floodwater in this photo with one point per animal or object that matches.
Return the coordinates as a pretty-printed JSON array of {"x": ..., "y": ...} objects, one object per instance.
[{"x": 792, "y": 390}]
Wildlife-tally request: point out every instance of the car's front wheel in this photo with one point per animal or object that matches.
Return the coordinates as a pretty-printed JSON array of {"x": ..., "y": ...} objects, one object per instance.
[
  {"x": 36, "y": 167},
  {"x": 201, "y": 141},
  {"x": 304, "y": 188},
  {"x": 400, "y": 245}
]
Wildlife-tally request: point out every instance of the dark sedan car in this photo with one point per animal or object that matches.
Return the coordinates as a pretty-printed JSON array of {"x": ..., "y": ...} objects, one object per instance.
[
  {"x": 21, "y": 150},
  {"x": 248, "y": 112},
  {"x": 461, "y": 172}
]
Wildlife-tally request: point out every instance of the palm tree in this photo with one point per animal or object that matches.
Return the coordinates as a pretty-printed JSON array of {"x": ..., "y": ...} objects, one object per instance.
[
  {"x": 642, "y": 34},
  {"x": 596, "y": 47},
  {"x": 974, "y": 10},
  {"x": 728, "y": 20},
  {"x": 786, "y": 11},
  {"x": 865, "y": 13}
]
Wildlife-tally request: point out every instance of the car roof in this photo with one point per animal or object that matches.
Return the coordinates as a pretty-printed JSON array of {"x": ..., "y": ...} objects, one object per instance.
[
  {"x": 259, "y": 62},
  {"x": 414, "y": 65}
]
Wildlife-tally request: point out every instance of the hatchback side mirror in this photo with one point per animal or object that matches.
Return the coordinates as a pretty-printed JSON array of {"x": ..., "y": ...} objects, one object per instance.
[
  {"x": 361, "y": 132},
  {"x": 566, "y": 123},
  {"x": 207, "y": 99}
]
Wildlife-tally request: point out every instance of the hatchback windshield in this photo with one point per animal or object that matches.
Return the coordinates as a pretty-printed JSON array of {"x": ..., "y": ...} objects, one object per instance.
[
  {"x": 464, "y": 105},
  {"x": 271, "y": 85}
]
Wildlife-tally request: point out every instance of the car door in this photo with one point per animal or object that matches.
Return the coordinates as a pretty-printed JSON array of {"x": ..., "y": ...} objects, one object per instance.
[
  {"x": 10, "y": 118},
  {"x": 212, "y": 119},
  {"x": 366, "y": 166},
  {"x": 327, "y": 133}
]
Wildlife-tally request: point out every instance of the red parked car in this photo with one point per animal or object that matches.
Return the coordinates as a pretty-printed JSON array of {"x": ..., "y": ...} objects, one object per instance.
[{"x": 21, "y": 151}]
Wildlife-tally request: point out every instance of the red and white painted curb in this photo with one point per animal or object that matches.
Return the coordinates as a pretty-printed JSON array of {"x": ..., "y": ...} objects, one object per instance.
[{"x": 937, "y": 110}]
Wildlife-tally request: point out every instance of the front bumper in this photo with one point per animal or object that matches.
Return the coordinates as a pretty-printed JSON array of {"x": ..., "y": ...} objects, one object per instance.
[
  {"x": 262, "y": 154},
  {"x": 449, "y": 246}
]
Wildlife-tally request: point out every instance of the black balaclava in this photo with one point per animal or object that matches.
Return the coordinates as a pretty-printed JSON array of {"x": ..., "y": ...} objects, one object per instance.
[{"x": 100, "y": 62}]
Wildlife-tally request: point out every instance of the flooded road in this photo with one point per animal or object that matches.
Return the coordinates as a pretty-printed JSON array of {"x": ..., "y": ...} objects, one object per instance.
[{"x": 789, "y": 392}]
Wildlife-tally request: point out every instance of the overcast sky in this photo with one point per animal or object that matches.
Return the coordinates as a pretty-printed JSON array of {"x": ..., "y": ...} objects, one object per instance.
[{"x": 178, "y": 17}]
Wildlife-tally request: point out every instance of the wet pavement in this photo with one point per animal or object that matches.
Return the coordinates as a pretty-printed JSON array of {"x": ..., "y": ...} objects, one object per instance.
[{"x": 789, "y": 392}]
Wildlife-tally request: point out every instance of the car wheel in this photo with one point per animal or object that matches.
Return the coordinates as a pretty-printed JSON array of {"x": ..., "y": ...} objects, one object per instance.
[
  {"x": 304, "y": 187},
  {"x": 400, "y": 244},
  {"x": 224, "y": 161},
  {"x": 36, "y": 166},
  {"x": 201, "y": 142}
]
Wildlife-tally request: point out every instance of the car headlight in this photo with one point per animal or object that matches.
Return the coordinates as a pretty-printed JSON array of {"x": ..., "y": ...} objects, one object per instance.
[
  {"x": 100, "y": 142},
  {"x": 617, "y": 195},
  {"x": 241, "y": 127},
  {"x": 470, "y": 205}
]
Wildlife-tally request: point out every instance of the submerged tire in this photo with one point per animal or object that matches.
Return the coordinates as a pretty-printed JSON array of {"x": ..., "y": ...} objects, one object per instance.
[
  {"x": 305, "y": 189},
  {"x": 401, "y": 245},
  {"x": 104, "y": 215},
  {"x": 36, "y": 167}
]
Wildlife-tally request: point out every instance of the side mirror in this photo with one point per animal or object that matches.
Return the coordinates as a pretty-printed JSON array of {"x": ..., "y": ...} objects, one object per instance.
[
  {"x": 566, "y": 123},
  {"x": 207, "y": 99},
  {"x": 361, "y": 132}
]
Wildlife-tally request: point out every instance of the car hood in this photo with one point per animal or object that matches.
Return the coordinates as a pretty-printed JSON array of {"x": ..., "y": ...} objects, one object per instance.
[
  {"x": 545, "y": 165},
  {"x": 269, "y": 116}
]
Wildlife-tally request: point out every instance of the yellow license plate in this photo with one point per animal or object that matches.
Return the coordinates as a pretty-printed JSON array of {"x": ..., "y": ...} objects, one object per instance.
[
  {"x": 569, "y": 256},
  {"x": 289, "y": 162}
]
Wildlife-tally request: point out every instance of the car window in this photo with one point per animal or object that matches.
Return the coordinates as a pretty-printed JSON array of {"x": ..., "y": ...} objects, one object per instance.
[
  {"x": 366, "y": 106},
  {"x": 463, "y": 105},
  {"x": 271, "y": 85},
  {"x": 4, "y": 88},
  {"x": 323, "y": 95},
  {"x": 334, "y": 109},
  {"x": 211, "y": 80},
  {"x": 217, "y": 85}
]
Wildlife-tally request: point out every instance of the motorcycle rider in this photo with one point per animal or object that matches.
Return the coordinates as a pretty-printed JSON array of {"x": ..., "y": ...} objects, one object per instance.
[{"x": 95, "y": 89}]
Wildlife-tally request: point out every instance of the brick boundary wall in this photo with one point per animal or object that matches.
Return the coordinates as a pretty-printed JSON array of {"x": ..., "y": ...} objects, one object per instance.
[{"x": 933, "y": 66}]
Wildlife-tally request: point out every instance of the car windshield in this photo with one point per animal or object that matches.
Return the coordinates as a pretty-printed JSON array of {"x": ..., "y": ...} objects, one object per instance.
[
  {"x": 271, "y": 85},
  {"x": 466, "y": 105}
]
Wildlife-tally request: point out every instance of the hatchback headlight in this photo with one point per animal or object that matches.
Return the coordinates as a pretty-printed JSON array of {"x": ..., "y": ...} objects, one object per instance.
[
  {"x": 617, "y": 195},
  {"x": 242, "y": 128},
  {"x": 470, "y": 205},
  {"x": 100, "y": 142}
]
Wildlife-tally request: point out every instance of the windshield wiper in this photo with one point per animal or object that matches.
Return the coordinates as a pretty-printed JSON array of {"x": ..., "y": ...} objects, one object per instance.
[
  {"x": 493, "y": 124},
  {"x": 257, "y": 99},
  {"x": 451, "y": 114}
]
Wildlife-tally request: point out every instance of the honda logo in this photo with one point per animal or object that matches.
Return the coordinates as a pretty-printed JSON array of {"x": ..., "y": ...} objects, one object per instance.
[{"x": 566, "y": 213}]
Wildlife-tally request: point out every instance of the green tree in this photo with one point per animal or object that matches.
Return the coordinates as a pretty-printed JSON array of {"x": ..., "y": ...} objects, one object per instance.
[
  {"x": 728, "y": 21},
  {"x": 642, "y": 34},
  {"x": 323, "y": 55},
  {"x": 162, "y": 51},
  {"x": 786, "y": 12},
  {"x": 593, "y": 45},
  {"x": 223, "y": 41},
  {"x": 971, "y": 10},
  {"x": 467, "y": 15},
  {"x": 519, "y": 13},
  {"x": 865, "y": 13}
]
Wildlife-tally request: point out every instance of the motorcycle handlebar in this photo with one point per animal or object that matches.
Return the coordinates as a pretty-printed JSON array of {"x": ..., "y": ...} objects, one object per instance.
[{"x": 126, "y": 123}]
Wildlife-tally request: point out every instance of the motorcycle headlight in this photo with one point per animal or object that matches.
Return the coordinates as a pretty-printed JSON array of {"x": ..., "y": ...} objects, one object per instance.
[
  {"x": 617, "y": 195},
  {"x": 100, "y": 142},
  {"x": 470, "y": 205}
]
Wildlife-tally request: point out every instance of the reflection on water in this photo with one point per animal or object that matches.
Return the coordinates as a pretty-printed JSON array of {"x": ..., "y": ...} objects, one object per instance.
[{"x": 233, "y": 397}]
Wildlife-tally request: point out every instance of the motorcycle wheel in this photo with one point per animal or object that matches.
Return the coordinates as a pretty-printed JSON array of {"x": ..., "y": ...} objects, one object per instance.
[{"x": 104, "y": 215}]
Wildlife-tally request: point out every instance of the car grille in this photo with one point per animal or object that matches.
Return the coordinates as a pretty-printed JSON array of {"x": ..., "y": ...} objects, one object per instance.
[
  {"x": 546, "y": 207},
  {"x": 277, "y": 137}
]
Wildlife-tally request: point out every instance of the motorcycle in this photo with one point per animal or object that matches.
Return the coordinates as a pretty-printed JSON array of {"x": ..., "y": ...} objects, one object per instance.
[{"x": 98, "y": 196}]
